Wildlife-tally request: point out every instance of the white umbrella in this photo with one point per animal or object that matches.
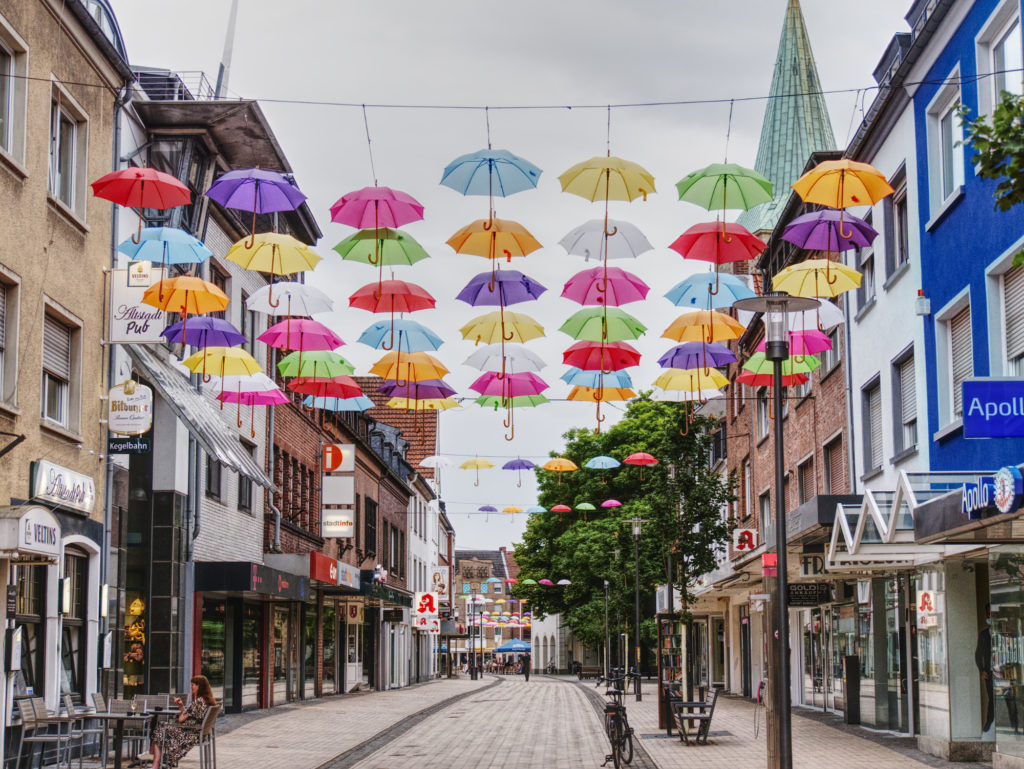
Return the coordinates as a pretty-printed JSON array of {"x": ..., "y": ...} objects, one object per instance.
[
  {"x": 588, "y": 240},
  {"x": 435, "y": 461},
  {"x": 828, "y": 316},
  {"x": 679, "y": 396},
  {"x": 291, "y": 298},
  {"x": 250, "y": 383},
  {"x": 517, "y": 358}
]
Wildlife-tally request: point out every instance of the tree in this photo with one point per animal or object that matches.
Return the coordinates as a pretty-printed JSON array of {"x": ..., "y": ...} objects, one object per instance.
[{"x": 682, "y": 517}]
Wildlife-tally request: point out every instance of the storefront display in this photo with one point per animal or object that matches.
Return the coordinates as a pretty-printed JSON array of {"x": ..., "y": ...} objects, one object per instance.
[{"x": 134, "y": 644}]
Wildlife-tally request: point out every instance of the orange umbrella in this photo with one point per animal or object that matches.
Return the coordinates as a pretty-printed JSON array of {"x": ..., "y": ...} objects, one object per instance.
[
  {"x": 704, "y": 326},
  {"x": 416, "y": 366},
  {"x": 493, "y": 239},
  {"x": 185, "y": 295}
]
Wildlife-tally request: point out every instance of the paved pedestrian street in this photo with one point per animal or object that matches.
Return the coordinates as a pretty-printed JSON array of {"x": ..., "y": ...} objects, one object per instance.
[{"x": 509, "y": 723}]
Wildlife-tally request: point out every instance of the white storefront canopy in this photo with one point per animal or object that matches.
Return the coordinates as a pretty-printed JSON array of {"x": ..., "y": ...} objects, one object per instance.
[{"x": 29, "y": 532}]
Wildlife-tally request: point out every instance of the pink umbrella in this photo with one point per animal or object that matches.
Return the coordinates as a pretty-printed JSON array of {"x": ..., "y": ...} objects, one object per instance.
[
  {"x": 611, "y": 503},
  {"x": 257, "y": 390},
  {"x": 300, "y": 334},
  {"x": 376, "y": 207},
  {"x": 509, "y": 386},
  {"x": 809, "y": 342},
  {"x": 599, "y": 286},
  {"x": 545, "y": 582}
]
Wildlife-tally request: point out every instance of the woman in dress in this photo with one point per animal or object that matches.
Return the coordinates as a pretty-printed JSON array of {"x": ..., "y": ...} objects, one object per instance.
[{"x": 173, "y": 740}]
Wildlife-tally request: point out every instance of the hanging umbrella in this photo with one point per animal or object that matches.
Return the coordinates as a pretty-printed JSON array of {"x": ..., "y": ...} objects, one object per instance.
[
  {"x": 411, "y": 336},
  {"x": 686, "y": 396},
  {"x": 275, "y": 253},
  {"x": 376, "y": 207},
  {"x": 597, "y": 378},
  {"x": 696, "y": 291},
  {"x": 560, "y": 465},
  {"x": 517, "y": 357},
  {"x": 490, "y": 172},
  {"x": 589, "y": 240},
  {"x": 166, "y": 245},
  {"x": 488, "y": 328},
  {"x": 607, "y": 178},
  {"x": 494, "y": 239},
  {"x": 517, "y": 401},
  {"x": 320, "y": 364},
  {"x": 599, "y": 395},
  {"x": 435, "y": 461},
  {"x": 761, "y": 369},
  {"x": 545, "y": 582},
  {"x": 322, "y": 387},
  {"x": 841, "y": 184},
  {"x": 610, "y": 286},
  {"x": 487, "y": 509},
  {"x": 602, "y": 463},
  {"x": 816, "y": 277},
  {"x": 358, "y": 403},
  {"x": 511, "y": 385},
  {"x": 690, "y": 380},
  {"x": 824, "y": 317},
  {"x": 723, "y": 186},
  {"x": 391, "y": 296},
  {"x": 607, "y": 324},
  {"x": 703, "y": 326},
  {"x": 518, "y": 465},
  {"x": 564, "y": 582},
  {"x": 611, "y": 503},
  {"x": 255, "y": 189},
  {"x": 512, "y": 509},
  {"x": 380, "y": 247},
  {"x": 504, "y": 288},
  {"x": 427, "y": 389},
  {"x": 293, "y": 299},
  {"x": 821, "y": 231},
  {"x": 595, "y": 356},
  {"x": 536, "y": 509},
  {"x": 185, "y": 296},
  {"x": 804, "y": 342},
  {"x": 422, "y": 405},
  {"x": 142, "y": 188},
  {"x": 718, "y": 243},
  {"x": 697, "y": 355},
  {"x": 415, "y": 366},
  {"x": 477, "y": 464},
  {"x": 245, "y": 390},
  {"x": 222, "y": 362},
  {"x": 300, "y": 334},
  {"x": 204, "y": 332},
  {"x": 640, "y": 459}
]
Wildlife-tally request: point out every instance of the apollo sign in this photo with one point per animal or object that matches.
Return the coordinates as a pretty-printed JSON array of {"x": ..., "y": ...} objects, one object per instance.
[
  {"x": 999, "y": 493},
  {"x": 993, "y": 408}
]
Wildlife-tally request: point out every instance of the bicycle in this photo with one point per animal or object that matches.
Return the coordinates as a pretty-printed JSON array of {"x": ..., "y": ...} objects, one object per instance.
[
  {"x": 759, "y": 706},
  {"x": 616, "y": 725}
]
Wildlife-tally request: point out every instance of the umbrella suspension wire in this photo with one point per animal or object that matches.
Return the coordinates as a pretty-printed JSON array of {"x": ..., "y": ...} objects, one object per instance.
[
  {"x": 369, "y": 146},
  {"x": 494, "y": 259},
  {"x": 608, "y": 135},
  {"x": 728, "y": 131}
]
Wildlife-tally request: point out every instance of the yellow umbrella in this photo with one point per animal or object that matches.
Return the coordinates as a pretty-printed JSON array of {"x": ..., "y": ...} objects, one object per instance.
[
  {"x": 415, "y": 366},
  {"x": 493, "y": 327},
  {"x": 704, "y": 326},
  {"x": 608, "y": 178},
  {"x": 478, "y": 464},
  {"x": 423, "y": 404},
  {"x": 560, "y": 465},
  {"x": 512, "y": 510},
  {"x": 274, "y": 253},
  {"x": 691, "y": 379},
  {"x": 222, "y": 362},
  {"x": 600, "y": 395},
  {"x": 816, "y": 277}
]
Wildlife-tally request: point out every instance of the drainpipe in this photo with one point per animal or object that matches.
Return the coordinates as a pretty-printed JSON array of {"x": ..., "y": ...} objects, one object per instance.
[
  {"x": 275, "y": 547},
  {"x": 851, "y": 442}
]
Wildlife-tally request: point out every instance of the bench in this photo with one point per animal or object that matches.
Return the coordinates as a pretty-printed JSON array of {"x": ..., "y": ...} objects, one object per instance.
[
  {"x": 688, "y": 715},
  {"x": 589, "y": 672}
]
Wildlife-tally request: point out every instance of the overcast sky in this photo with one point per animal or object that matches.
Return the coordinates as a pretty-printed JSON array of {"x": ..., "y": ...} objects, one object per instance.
[{"x": 474, "y": 53}]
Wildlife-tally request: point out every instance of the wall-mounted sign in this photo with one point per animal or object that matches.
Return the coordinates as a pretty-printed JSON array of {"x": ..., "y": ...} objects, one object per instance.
[
  {"x": 744, "y": 540},
  {"x": 353, "y": 613},
  {"x": 439, "y": 582},
  {"x": 132, "y": 321},
  {"x": 976, "y": 498},
  {"x": 1008, "y": 489},
  {"x": 338, "y": 490},
  {"x": 140, "y": 274},
  {"x": 270, "y": 581},
  {"x": 130, "y": 444},
  {"x": 425, "y": 605},
  {"x": 339, "y": 458},
  {"x": 809, "y": 593},
  {"x": 322, "y": 568},
  {"x": 811, "y": 565},
  {"x": 34, "y": 530},
  {"x": 338, "y": 524},
  {"x": 394, "y": 615},
  {"x": 993, "y": 408},
  {"x": 129, "y": 409},
  {"x": 63, "y": 487}
]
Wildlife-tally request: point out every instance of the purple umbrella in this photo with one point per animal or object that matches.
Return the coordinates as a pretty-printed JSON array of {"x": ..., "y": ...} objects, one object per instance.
[
  {"x": 255, "y": 189},
  {"x": 204, "y": 332},
  {"x": 488, "y": 509},
  {"x": 518, "y": 465},
  {"x": 697, "y": 355},
  {"x": 507, "y": 287},
  {"x": 425, "y": 389},
  {"x": 823, "y": 231}
]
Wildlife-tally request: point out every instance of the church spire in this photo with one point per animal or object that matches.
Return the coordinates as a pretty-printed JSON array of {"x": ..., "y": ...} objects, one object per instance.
[{"x": 794, "y": 125}]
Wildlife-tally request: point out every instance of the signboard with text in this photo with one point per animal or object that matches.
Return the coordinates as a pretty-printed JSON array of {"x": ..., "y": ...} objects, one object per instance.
[
  {"x": 337, "y": 490},
  {"x": 132, "y": 321},
  {"x": 809, "y": 593},
  {"x": 993, "y": 408},
  {"x": 129, "y": 409},
  {"x": 62, "y": 487}
]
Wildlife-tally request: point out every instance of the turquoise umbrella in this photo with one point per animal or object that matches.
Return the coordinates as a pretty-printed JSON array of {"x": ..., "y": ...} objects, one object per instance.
[{"x": 409, "y": 336}]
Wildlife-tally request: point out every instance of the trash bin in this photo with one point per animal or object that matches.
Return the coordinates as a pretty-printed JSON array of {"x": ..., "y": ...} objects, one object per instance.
[{"x": 851, "y": 689}]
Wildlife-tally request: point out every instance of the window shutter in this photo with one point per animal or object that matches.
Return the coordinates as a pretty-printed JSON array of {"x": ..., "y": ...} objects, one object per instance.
[
  {"x": 57, "y": 348},
  {"x": 1013, "y": 307},
  {"x": 961, "y": 354},
  {"x": 3, "y": 317},
  {"x": 908, "y": 391},
  {"x": 835, "y": 467},
  {"x": 806, "y": 473},
  {"x": 875, "y": 418}
]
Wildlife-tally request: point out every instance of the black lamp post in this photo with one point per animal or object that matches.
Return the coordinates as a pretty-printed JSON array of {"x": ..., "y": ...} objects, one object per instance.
[
  {"x": 607, "y": 638},
  {"x": 775, "y": 307},
  {"x": 636, "y": 559}
]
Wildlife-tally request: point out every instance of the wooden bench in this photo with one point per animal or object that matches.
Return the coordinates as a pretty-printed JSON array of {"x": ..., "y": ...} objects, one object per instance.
[
  {"x": 589, "y": 672},
  {"x": 688, "y": 715}
]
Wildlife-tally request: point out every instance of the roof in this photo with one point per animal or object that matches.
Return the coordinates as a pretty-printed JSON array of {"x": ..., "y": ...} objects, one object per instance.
[
  {"x": 419, "y": 430},
  {"x": 796, "y": 121},
  {"x": 109, "y": 41},
  {"x": 494, "y": 556},
  {"x": 199, "y": 415}
]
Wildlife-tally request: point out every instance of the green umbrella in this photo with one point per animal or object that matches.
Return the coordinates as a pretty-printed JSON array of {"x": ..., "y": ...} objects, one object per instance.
[
  {"x": 517, "y": 401},
  {"x": 381, "y": 246},
  {"x": 609, "y": 324},
  {"x": 527, "y": 581},
  {"x": 585, "y": 506},
  {"x": 759, "y": 371},
  {"x": 315, "y": 363},
  {"x": 725, "y": 185}
]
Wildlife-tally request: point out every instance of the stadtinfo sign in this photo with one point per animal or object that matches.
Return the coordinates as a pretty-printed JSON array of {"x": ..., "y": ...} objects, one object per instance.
[{"x": 63, "y": 487}]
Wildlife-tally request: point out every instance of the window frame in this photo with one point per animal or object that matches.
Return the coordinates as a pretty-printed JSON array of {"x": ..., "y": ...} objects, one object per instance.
[
  {"x": 71, "y": 406},
  {"x": 245, "y": 484},
  {"x": 945, "y": 103},
  {"x": 871, "y": 461},
  {"x": 994, "y": 30},
  {"x": 764, "y": 422},
  {"x": 899, "y": 420},
  {"x": 10, "y": 284},
  {"x": 804, "y": 470},
  {"x": 213, "y": 478},
  {"x": 13, "y": 150},
  {"x": 62, "y": 103}
]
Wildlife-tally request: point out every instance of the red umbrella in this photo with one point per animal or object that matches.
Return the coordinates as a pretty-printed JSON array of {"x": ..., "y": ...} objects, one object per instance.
[
  {"x": 141, "y": 188},
  {"x": 318, "y": 387},
  {"x": 561, "y": 509},
  {"x": 391, "y": 296},
  {"x": 593, "y": 356},
  {"x": 719, "y": 244},
  {"x": 640, "y": 458}
]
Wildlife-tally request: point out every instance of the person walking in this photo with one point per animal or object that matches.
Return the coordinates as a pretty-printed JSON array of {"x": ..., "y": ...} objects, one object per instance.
[
  {"x": 526, "y": 666},
  {"x": 983, "y": 660}
]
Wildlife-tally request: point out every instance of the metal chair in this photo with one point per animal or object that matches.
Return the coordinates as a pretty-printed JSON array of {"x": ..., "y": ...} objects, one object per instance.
[
  {"x": 134, "y": 736},
  {"x": 79, "y": 730},
  {"x": 35, "y": 730}
]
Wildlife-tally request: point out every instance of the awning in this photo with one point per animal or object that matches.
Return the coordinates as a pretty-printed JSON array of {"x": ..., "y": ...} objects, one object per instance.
[
  {"x": 29, "y": 533},
  {"x": 201, "y": 417}
]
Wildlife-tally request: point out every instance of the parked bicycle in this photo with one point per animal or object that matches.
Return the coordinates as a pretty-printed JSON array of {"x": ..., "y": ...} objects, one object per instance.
[
  {"x": 759, "y": 706},
  {"x": 616, "y": 725}
]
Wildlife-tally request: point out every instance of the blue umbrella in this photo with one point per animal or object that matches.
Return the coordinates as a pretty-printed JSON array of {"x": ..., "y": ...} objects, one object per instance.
[
  {"x": 358, "y": 403},
  {"x": 693, "y": 292},
  {"x": 515, "y": 645},
  {"x": 411, "y": 336},
  {"x": 204, "y": 332},
  {"x": 595, "y": 379},
  {"x": 166, "y": 245},
  {"x": 536, "y": 509},
  {"x": 490, "y": 172},
  {"x": 697, "y": 355},
  {"x": 602, "y": 463}
]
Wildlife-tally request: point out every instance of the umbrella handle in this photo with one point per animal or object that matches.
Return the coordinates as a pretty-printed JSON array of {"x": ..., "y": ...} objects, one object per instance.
[
  {"x": 138, "y": 235},
  {"x": 508, "y": 255},
  {"x": 512, "y": 427},
  {"x": 490, "y": 221},
  {"x": 686, "y": 432},
  {"x": 270, "y": 295},
  {"x": 643, "y": 192},
  {"x": 600, "y": 419},
  {"x": 477, "y": 481},
  {"x": 206, "y": 380},
  {"x": 614, "y": 229},
  {"x": 715, "y": 291},
  {"x": 509, "y": 337},
  {"x": 830, "y": 277},
  {"x": 391, "y": 342}
]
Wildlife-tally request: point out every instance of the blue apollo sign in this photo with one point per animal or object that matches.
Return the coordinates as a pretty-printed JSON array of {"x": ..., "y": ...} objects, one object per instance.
[{"x": 993, "y": 408}]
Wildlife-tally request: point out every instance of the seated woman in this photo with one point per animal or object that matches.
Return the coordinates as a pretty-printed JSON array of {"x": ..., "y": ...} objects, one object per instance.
[{"x": 174, "y": 740}]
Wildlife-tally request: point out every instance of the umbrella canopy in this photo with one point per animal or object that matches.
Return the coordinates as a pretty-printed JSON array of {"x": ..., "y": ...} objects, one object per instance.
[
  {"x": 759, "y": 372},
  {"x": 611, "y": 503},
  {"x": 321, "y": 364},
  {"x": 687, "y": 396},
  {"x": 518, "y": 464},
  {"x": 259, "y": 382},
  {"x": 597, "y": 378},
  {"x": 697, "y": 355},
  {"x": 594, "y": 356},
  {"x": 516, "y": 401},
  {"x": 255, "y": 189},
  {"x": 185, "y": 295},
  {"x": 703, "y": 326},
  {"x": 590, "y": 240},
  {"x": 724, "y": 185},
  {"x": 691, "y": 380},
  {"x": 555, "y": 509},
  {"x": 490, "y": 172},
  {"x": 358, "y": 403},
  {"x": 600, "y": 394},
  {"x": 204, "y": 332},
  {"x": 494, "y": 326},
  {"x": 517, "y": 358},
  {"x": 609, "y": 324},
  {"x": 511, "y": 385},
  {"x": 599, "y": 286},
  {"x": 809, "y": 342},
  {"x": 564, "y": 582},
  {"x": 376, "y": 207},
  {"x": 428, "y": 389},
  {"x": 166, "y": 245},
  {"x": 515, "y": 645},
  {"x": 275, "y": 253},
  {"x": 816, "y": 277},
  {"x": 824, "y": 230},
  {"x": 494, "y": 239},
  {"x": 477, "y": 463},
  {"x": 560, "y": 465},
  {"x": 293, "y": 299},
  {"x": 640, "y": 458},
  {"x": 607, "y": 178},
  {"x": 512, "y": 509},
  {"x": 300, "y": 334},
  {"x": 823, "y": 318},
  {"x": 696, "y": 291},
  {"x": 545, "y": 582},
  {"x": 411, "y": 367},
  {"x": 718, "y": 243},
  {"x": 142, "y": 188},
  {"x": 423, "y": 404},
  {"x": 253, "y": 398},
  {"x": 382, "y": 246},
  {"x": 222, "y": 361},
  {"x": 602, "y": 463},
  {"x": 401, "y": 334},
  {"x": 536, "y": 509},
  {"x": 319, "y": 387},
  {"x": 585, "y": 506},
  {"x": 504, "y": 288},
  {"x": 842, "y": 183},
  {"x": 436, "y": 461},
  {"x": 391, "y": 296}
]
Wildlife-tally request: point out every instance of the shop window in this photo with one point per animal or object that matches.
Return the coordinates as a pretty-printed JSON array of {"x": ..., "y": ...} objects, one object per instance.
[
  {"x": 253, "y": 639},
  {"x": 871, "y": 398},
  {"x": 30, "y": 616},
  {"x": 904, "y": 403},
  {"x": 330, "y": 654},
  {"x": 72, "y": 652},
  {"x": 215, "y": 630},
  {"x": 213, "y": 479},
  {"x": 57, "y": 370}
]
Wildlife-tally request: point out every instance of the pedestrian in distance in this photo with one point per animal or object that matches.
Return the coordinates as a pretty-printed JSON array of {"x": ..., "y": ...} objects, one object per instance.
[
  {"x": 983, "y": 660},
  {"x": 526, "y": 666}
]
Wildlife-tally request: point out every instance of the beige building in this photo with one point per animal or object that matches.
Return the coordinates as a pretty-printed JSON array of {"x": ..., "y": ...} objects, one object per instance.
[{"x": 62, "y": 68}]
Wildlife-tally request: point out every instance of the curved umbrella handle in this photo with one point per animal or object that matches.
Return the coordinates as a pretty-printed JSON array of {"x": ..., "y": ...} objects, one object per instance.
[
  {"x": 830, "y": 276},
  {"x": 715, "y": 291},
  {"x": 391, "y": 340},
  {"x": 270, "y": 291},
  {"x": 490, "y": 221},
  {"x": 600, "y": 419},
  {"x": 613, "y": 230},
  {"x": 252, "y": 233},
  {"x": 686, "y": 432},
  {"x": 643, "y": 192},
  {"x": 508, "y": 254},
  {"x": 509, "y": 337},
  {"x": 477, "y": 481},
  {"x": 137, "y": 237}
]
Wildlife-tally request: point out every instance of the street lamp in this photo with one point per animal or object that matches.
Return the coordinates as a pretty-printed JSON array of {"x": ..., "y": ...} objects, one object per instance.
[
  {"x": 607, "y": 638},
  {"x": 774, "y": 307},
  {"x": 636, "y": 631}
]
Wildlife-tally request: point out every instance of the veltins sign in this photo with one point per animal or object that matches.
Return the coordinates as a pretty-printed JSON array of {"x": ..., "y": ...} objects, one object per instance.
[
  {"x": 993, "y": 408},
  {"x": 129, "y": 409},
  {"x": 131, "y": 321},
  {"x": 38, "y": 531},
  {"x": 63, "y": 487}
]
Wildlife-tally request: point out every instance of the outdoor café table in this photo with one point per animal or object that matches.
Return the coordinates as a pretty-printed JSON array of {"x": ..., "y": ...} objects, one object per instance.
[{"x": 119, "y": 721}]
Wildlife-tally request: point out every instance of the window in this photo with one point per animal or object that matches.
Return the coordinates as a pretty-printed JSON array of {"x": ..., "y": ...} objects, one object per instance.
[
  {"x": 248, "y": 327},
  {"x": 830, "y": 358},
  {"x": 961, "y": 356},
  {"x": 765, "y": 509},
  {"x": 871, "y": 398},
  {"x": 401, "y": 553},
  {"x": 219, "y": 278},
  {"x": 866, "y": 292},
  {"x": 834, "y": 472},
  {"x": 355, "y": 520},
  {"x": 245, "y": 482},
  {"x": 762, "y": 412},
  {"x": 904, "y": 403},
  {"x": 370, "y": 528},
  {"x": 897, "y": 233},
  {"x": 56, "y": 370},
  {"x": 1013, "y": 319},
  {"x": 76, "y": 570},
  {"x": 30, "y": 616},
  {"x": 68, "y": 142},
  {"x": 805, "y": 480},
  {"x": 947, "y": 141},
  {"x": 1007, "y": 61},
  {"x": 13, "y": 92},
  {"x": 945, "y": 155},
  {"x": 748, "y": 492},
  {"x": 212, "y": 477}
]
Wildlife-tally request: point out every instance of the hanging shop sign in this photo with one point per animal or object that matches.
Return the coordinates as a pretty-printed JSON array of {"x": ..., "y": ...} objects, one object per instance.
[
  {"x": 337, "y": 523},
  {"x": 130, "y": 444},
  {"x": 332, "y": 571},
  {"x": 425, "y": 605},
  {"x": 744, "y": 540},
  {"x": 132, "y": 321},
  {"x": 395, "y": 616},
  {"x": 338, "y": 490},
  {"x": 63, "y": 487},
  {"x": 339, "y": 458},
  {"x": 1008, "y": 489},
  {"x": 353, "y": 613},
  {"x": 129, "y": 408},
  {"x": 809, "y": 593}
]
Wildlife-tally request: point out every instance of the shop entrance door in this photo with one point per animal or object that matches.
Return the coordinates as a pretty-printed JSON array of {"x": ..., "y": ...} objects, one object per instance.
[
  {"x": 285, "y": 656},
  {"x": 745, "y": 651}
]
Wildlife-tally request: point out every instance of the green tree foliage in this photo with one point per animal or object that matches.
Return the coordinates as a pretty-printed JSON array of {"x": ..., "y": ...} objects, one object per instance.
[{"x": 683, "y": 516}]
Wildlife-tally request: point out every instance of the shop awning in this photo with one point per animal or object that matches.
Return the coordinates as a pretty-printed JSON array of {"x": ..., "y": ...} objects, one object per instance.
[
  {"x": 201, "y": 417},
  {"x": 29, "y": 533}
]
